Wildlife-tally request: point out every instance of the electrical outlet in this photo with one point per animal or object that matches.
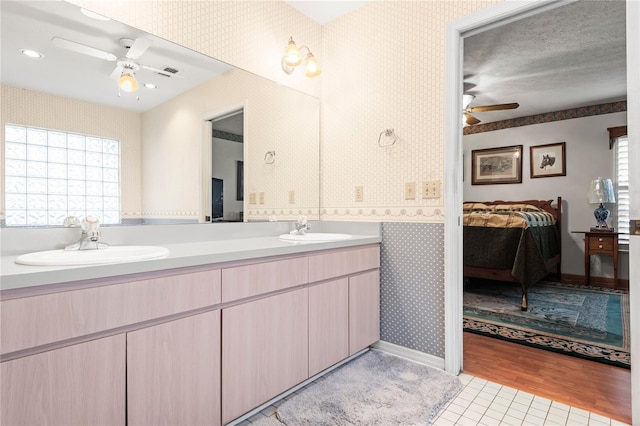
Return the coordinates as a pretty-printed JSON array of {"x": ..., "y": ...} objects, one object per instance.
[
  {"x": 410, "y": 191},
  {"x": 262, "y": 198},
  {"x": 252, "y": 198},
  {"x": 431, "y": 189},
  {"x": 359, "y": 194},
  {"x": 292, "y": 197}
]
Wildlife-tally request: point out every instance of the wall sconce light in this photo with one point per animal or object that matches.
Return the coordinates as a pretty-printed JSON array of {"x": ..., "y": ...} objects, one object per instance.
[{"x": 293, "y": 57}]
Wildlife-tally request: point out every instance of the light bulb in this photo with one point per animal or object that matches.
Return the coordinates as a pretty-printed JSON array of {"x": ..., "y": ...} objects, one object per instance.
[
  {"x": 128, "y": 83},
  {"x": 312, "y": 69},
  {"x": 292, "y": 55}
]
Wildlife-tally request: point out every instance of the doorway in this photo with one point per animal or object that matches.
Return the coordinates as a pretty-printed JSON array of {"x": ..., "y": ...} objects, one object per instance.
[
  {"x": 456, "y": 31},
  {"x": 227, "y": 167}
]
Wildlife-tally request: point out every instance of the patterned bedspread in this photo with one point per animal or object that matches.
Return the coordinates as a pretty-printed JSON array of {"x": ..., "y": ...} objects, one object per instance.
[
  {"x": 508, "y": 219},
  {"x": 527, "y": 243}
]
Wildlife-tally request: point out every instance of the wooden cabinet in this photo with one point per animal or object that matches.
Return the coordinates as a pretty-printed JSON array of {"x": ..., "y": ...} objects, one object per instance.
[
  {"x": 81, "y": 384},
  {"x": 173, "y": 372},
  {"x": 201, "y": 345},
  {"x": 600, "y": 243},
  {"x": 364, "y": 310},
  {"x": 328, "y": 324},
  {"x": 265, "y": 350}
]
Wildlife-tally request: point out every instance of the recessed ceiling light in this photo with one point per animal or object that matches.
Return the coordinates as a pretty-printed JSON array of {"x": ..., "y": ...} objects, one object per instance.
[
  {"x": 150, "y": 86},
  {"x": 32, "y": 53},
  {"x": 94, "y": 15}
]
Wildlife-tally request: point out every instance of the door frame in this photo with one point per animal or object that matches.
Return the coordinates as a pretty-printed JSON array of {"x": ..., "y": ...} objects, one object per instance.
[
  {"x": 457, "y": 30},
  {"x": 206, "y": 152}
]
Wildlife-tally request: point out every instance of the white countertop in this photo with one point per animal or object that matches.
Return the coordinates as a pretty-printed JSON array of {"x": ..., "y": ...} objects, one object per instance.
[{"x": 14, "y": 276}]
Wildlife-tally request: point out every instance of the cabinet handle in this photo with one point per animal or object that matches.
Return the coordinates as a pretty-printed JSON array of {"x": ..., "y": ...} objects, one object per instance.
[
  {"x": 600, "y": 239},
  {"x": 600, "y": 246}
]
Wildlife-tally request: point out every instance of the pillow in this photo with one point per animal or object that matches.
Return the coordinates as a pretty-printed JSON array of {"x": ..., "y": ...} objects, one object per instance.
[
  {"x": 476, "y": 207},
  {"x": 517, "y": 208}
]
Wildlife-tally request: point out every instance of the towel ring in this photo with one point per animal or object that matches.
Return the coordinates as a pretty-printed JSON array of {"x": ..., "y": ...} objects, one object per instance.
[
  {"x": 388, "y": 133},
  {"x": 270, "y": 157}
]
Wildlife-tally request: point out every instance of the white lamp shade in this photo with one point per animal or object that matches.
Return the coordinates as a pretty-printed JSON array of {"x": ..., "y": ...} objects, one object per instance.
[
  {"x": 128, "y": 83},
  {"x": 292, "y": 55},
  {"x": 601, "y": 191},
  {"x": 311, "y": 69}
]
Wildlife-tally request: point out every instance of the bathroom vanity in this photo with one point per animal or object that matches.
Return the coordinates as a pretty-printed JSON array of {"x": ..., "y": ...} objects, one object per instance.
[{"x": 190, "y": 342}]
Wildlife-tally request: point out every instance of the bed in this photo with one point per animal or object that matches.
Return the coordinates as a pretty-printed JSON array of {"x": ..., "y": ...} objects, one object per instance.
[{"x": 515, "y": 241}]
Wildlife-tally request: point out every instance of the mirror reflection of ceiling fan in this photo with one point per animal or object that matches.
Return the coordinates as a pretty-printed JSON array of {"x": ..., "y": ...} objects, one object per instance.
[
  {"x": 126, "y": 66},
  {"x": 467, "y": 110}
]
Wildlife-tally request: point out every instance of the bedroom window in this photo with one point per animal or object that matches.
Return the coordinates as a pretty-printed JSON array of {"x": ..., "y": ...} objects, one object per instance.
[
  {"x": 50, "y": 174},
  {"x": 622, "y": 185}
]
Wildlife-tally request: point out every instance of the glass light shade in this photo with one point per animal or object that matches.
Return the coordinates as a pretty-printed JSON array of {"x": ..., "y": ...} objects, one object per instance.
[
  {"x": 466, "y": 100},
  {"x": 128, "y": 83},
  {"x": 601, "y": 191},
  {"x": 292, "y": 55},
  {"x": 312, "y": 69}
]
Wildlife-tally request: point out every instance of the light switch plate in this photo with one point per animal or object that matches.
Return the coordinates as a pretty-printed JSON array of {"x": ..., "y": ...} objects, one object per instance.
[
  {"x": 431, "y": 189},
  {"x": 292, "y": 197},
  {"x": 410, "y": 191},
  {"x": 262, "y": 198},
  {"x": 252, "y": 198},
  {"x": 359, "y": 194}
]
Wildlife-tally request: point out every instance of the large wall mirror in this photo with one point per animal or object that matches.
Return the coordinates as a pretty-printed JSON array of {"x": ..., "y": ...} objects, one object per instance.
[{"x": 198, "y": 141}]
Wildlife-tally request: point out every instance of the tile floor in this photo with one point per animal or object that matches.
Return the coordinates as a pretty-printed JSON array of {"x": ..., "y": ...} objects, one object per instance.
[{"x": 484, "y": 403}]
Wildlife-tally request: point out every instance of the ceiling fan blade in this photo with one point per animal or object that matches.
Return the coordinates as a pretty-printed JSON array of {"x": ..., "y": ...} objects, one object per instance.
[
  {"x": 81, "y": 48},
  {"x": 496, "y": 107},
  {"x": 138, "y": 47},
  {"x": 116, "y": 73},
  {"x": 470, "y": 119}
]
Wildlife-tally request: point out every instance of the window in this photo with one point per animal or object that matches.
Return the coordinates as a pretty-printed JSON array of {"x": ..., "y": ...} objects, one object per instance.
[
  {"x": 622, "y": 185},
  {"x": 50, "y": 175}
]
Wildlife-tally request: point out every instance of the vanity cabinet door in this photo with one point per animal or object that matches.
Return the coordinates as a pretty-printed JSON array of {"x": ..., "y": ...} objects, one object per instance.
[
  {"x": 82, "y": 384},
  {"x": 265, "y": 350},
  {"x": 364, "y": 310},
  {"x": 173, "y": 372},
  {"x": 328, "y": 324}
]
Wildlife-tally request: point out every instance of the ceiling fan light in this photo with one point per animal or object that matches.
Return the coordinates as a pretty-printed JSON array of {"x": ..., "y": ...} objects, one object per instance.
[
  {"x": 312, "y": 69},
  {"x": 128, "y": 83},
  {"x": 292, "y": 55}
]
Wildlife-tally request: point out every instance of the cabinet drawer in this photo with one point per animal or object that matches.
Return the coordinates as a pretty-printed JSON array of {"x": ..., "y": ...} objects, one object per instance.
[
  {"x": 260, "y": 278},
  {"x": 38, "y": 320},
  {"x": 343, "y": 262},
  {"x": 600, "y": 243}
]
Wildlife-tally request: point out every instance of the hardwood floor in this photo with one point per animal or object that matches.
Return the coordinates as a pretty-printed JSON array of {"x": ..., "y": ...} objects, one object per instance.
[{"x": 592, "y": 386}]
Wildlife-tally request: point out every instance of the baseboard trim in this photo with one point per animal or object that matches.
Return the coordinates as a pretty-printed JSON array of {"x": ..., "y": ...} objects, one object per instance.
[
  {"x": 410, "y": 354},
  {"x": 596, "y": 281}
]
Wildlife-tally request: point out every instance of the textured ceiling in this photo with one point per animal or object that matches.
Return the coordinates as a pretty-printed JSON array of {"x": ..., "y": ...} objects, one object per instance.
[{"x": 571, "y": 56}]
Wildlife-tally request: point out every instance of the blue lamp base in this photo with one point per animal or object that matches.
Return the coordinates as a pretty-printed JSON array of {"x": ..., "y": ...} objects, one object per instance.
[{"x": 601, "y": 214}]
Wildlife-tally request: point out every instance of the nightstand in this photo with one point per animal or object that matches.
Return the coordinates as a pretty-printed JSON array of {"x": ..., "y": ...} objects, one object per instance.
[{"x": 600, "y": 243}]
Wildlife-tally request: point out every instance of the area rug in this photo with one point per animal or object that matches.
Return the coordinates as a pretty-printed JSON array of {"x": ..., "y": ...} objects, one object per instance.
[
  {"x": 373, "y": 389},
  {"x": 584, "y": 321}
]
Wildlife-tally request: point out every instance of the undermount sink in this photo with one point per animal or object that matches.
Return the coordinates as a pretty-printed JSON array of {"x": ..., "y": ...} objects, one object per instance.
[
  {"x": 315, "y": 237},
  {"x": 111, "y": 254}
]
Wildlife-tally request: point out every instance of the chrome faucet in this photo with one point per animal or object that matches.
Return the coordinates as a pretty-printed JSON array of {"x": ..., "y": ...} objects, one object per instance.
[
  {"x": 301, "y": 226},
  {"x": 89, "y": 239}
]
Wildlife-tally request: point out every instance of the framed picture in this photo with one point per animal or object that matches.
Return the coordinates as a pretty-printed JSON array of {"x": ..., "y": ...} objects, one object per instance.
[
  {"x": 496, "y": 165},
  {"x": 239, "y": 180},
  {"x": 548, "y": 160}
]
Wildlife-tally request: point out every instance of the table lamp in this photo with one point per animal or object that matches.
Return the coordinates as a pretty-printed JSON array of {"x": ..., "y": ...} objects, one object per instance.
[{"x": 601, "y": 192}]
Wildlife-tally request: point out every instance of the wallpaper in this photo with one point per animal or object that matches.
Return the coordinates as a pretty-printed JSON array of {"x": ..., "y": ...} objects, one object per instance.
[{"x": 384, "y": 68}]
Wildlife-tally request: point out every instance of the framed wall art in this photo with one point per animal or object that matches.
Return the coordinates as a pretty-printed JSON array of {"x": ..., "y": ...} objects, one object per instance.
[
  {"x": 496, "y": 165},
  {"x": 548, "y": 160}
]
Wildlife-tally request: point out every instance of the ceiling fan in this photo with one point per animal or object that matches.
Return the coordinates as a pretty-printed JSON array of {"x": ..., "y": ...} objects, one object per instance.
[
  {"x": 125, "y": 66},
  {"x": 467, "y": 110}
]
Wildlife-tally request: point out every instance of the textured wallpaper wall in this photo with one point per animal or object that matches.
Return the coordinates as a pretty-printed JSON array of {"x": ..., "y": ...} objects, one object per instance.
[
  {"x": 30, "y": 108},
  {"x": 385, "y": 68}
]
